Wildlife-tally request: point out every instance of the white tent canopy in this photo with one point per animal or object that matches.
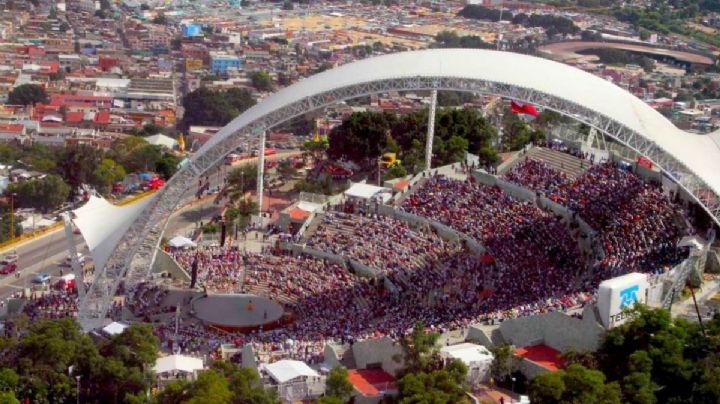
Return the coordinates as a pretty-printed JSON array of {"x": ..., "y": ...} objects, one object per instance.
[
  {"x": 180, "y": 363},
  {"x": 286, "y": 370},
  {"x": 367, "y": 191},
  {"x": 162, "y": 140},
  {"x": 114, "y": 328},
  {"x": 470, "y": 354},
  {"x": 103, "y": 224},
  {"x": 308, "y": 206},
  {"x": 181, "y": 242}
]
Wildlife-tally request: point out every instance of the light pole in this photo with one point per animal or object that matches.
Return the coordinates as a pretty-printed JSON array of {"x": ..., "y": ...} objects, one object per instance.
[
  {"x": 512, "y": 399},
  {"x": 78, "y": 388},
  {"x": 12, "y": 216}
]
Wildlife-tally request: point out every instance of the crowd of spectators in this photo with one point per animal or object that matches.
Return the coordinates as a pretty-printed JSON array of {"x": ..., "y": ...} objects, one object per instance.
[
  {"x": 380, "y": 242},
  {"x": 531, "y": 264},
  {"x": 638, "y": 226},
  {"x": 51, "y": 304}
]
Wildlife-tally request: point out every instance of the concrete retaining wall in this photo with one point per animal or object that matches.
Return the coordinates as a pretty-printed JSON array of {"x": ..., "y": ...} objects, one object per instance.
[
  {"x": 556, "y": 330},
  {"x": 382, "y": 351}
]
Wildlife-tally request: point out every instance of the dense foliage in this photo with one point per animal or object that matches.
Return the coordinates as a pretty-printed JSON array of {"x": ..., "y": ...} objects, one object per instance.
[
  {"x": 553, "y": 24},
  {"x": 450, "y": 39},
  {"x": 27, "y": 94},
  {"x": 215, "y": 108},
  {"x": 41, "y": 364},
  {"x": 224, "y": 383},
  {"x": 364, "y": 136},
  {"x": 651, "y": 359},
  {"x": 425, "y": 379},
  {"x": 68, "y": 167}
]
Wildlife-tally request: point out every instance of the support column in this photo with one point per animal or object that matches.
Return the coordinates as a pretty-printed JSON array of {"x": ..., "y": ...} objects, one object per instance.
[
  {"x": 74, "y": 263},
  {"x": 261, "y": 170},
  {"x": 431, "y": 130}
]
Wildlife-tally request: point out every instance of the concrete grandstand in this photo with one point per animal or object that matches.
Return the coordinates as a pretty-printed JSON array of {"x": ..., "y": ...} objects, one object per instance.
[{"x": 691, "y": 160}]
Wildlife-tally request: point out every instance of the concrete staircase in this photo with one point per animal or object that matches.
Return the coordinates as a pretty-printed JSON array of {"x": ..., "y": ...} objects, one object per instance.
[
  {"x": 572, "y": 166},
  {"x": 310, "y": 230}
]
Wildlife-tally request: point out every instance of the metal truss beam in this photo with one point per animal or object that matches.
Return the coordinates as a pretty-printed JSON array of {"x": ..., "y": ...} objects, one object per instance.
[{"x": 131, "y": 261}]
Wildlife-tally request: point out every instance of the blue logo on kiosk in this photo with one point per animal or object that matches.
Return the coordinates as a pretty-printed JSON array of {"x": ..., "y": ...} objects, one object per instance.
[{"x": 629, "y": 296}]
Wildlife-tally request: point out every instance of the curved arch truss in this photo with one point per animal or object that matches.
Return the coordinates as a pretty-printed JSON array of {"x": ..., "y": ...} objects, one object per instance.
[{"x": 132, "y": 259}]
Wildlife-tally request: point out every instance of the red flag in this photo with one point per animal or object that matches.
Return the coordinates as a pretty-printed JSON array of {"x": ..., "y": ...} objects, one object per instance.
[{"x": 518, "y": 107}]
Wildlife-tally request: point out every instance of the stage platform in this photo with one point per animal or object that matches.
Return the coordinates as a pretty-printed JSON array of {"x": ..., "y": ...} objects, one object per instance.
[{"x": 238, "y": 312}]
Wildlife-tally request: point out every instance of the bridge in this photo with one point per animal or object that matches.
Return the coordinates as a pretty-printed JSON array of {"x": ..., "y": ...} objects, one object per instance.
[{"x": 125, "y": 250}]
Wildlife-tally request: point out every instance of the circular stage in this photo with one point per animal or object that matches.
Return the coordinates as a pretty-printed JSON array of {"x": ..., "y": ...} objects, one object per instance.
[{"x": 238, "y": 312}]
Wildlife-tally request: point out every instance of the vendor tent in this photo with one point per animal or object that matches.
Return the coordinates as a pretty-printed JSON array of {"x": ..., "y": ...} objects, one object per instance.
[
  {"x": 367, "y": 192},
  {"x": 181, "y": 242},
  {"x": 114, "y": 328},
  {"x": 178, "y": 363},
  {"x": 287, "y": 370}
]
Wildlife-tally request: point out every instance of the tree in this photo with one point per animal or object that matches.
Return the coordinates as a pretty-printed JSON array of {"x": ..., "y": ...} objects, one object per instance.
[
  {"x": 547, "y": 388},
  {"x": 575, "y": 384},
  {"x": 167, "y": 165},
  {"x": 419, "y": 350},
  {"x": 27, "y": 94},
  {"x": 286, "y": 168},
  {"x": 45, "y": 194},
  {"x": 78, "y": 163},
  {"x": 261, "y": 80},
  {"x": 504, "y": 362},
  {"x": 360, "y": 137},
  {"x": 338, "y": 384},
  {"x": 245, "y": 384},
  {"x": 436, "y": 386},
  {"x": 107, "y": 174},
  {"x": 144, "y": 158},
  {"x": 206, "y": 107},
  {"x": 6, "y": 224},
  {"x": 241, "y": 180},
  {"x": 396, "y": 171},
  {"x": 316, "y": 147}
]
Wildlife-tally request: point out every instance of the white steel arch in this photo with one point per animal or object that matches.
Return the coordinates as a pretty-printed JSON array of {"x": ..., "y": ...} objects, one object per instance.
[{"x": 691, "y": 160}]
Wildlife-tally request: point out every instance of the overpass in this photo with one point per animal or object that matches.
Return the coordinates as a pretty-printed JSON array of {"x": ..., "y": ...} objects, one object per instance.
[{"x": 126, "y": 253}]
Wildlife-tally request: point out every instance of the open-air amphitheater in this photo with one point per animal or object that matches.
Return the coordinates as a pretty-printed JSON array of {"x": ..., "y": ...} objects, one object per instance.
[{"x": 517, "y": 257}]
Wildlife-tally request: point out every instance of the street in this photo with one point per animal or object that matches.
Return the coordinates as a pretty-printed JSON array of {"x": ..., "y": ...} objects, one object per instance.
[{"x": 48, "y": 252}]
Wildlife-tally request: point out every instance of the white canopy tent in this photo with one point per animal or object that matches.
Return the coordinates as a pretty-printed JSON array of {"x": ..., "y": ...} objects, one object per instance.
[
  {"x": 178, "y": 363},
  {"x": 287, "y": 370},
  {"x": 367, "y": 192},
  {"x": 162, "y": 140},
  {"x": 103, "y": 224},
  {"x": 181, "y": 242},
  {"x": 115, "y": 328}
]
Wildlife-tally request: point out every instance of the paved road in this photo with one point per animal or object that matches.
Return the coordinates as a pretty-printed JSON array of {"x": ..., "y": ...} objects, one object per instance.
[
  {"x": 48, "y": 252},
  {"x": 44, "y": 254}
]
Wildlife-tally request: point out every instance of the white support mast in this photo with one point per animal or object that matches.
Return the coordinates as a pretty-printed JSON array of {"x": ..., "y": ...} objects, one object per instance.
[
  {"x": 430, "y": 130},
  {"x": 261, "y": 171},
  {"x": 74, "y": 262}
]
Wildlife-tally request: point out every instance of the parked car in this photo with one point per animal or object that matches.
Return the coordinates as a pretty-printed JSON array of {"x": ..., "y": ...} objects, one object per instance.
[
  {"x": 41, "y": 277},
  {"x": 8, "y": 269},
  {"x": 9, "y": 258},
  {"x": 80, "y": 258}
]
